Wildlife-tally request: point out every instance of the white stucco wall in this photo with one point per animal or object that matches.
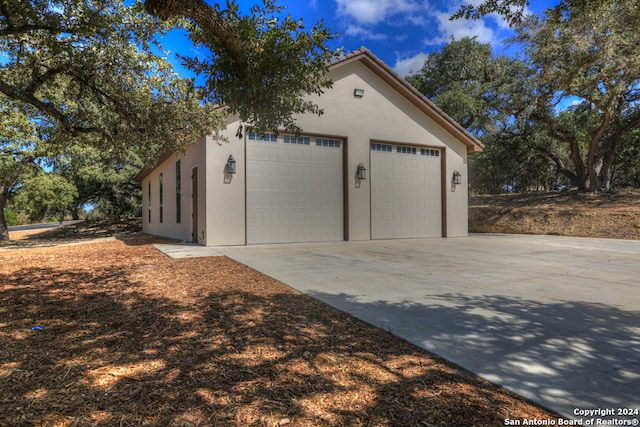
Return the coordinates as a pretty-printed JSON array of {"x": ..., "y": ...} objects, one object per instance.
[
  {"x": 193, "y": 157},
  {"x": 226, "y": 195},
  {"x": 457, "y": 196}
]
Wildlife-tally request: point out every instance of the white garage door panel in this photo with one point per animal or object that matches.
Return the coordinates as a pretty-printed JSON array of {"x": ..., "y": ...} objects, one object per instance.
[
  {"x": 294, "y": 192},
  {"x": 405, "y": 195}
]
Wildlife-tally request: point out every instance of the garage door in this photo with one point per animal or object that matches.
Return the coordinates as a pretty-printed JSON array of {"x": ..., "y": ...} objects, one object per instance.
[
  {"x": 294, "y": 189},
  {"x": 405, "y": 192}
]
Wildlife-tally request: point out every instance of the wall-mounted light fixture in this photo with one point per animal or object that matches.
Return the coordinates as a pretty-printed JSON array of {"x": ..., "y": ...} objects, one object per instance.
[
  {"x": 358, "y": 93},
  {"x": 457, "y": 178},
  {"x": 231, "y": 165},
  {"x": 362, "y": 172}
]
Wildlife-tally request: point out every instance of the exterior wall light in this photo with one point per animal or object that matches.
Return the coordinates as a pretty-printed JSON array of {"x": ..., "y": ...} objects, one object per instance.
[
  {"x": 457, "y": 178},
  {"x": 231, "y": 165},
  {"x": 362, "y": 172},
  {"x": 358, "y": 93}
]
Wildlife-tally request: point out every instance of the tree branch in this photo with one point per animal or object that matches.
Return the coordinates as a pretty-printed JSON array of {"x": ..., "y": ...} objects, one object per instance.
[
  {"x": 41, "y": 79},
  {"x": 631, "y": 124},
  {"x": 209, "y": 19},
  {"x": 558, "y": 162},
  {"x": 12, "y": 31},
  {"x": 46, "y": 107}
]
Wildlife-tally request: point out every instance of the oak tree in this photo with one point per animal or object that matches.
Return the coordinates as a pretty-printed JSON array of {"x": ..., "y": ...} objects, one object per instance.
[
  {"x": 461, "y": 79},
  {"x": 589, "y": 59},
  {"x": 89, "y": 74},
  {"x": 83, "y": 71}
]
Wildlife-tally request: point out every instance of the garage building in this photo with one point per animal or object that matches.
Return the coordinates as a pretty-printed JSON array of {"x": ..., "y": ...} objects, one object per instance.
[{"x": 382, "y": 162}]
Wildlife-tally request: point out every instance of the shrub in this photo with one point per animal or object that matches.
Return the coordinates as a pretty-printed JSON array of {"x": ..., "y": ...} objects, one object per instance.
[{"x": 11, "y": 217}]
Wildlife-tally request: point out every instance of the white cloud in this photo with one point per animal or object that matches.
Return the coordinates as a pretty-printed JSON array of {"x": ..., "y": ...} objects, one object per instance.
[
  {"x": 419, "y": 20},
  {"x": 370, "y": 12},
  {"x": 407, "y": 66},
  {"x": 462, "y": 28},
  {"x": 489, "y": 29},
  {"x": 364, "y": 33}
]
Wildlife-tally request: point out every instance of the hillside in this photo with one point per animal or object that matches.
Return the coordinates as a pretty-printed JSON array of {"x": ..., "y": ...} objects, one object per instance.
[{"x": 613, "y": 215}]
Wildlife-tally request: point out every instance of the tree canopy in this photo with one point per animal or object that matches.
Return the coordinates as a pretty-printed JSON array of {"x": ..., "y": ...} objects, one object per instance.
[
  {"x": 477, "y": 89},
  {"x": 17, "y": 144},
  {"x": 261, "y": 66},
  {"x": 570, "y": 101},
  {"x": 461, "y": 78},
  {"x": 89, "y": 75},
  {"x": 87, "y": 68},
  {"x": 592, "y": 60},
  {"x": 84, "y": 74},
  {"x": 515, "y": 11}
]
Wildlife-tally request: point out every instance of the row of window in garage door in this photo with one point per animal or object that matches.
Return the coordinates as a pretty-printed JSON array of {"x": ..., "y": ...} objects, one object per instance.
[{"x": 336, "y": 143}]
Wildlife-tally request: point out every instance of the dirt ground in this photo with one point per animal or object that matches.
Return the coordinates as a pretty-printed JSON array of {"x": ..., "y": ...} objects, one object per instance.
[
  {"x": 614, "y": 215},
  {"x": 115, "y": 333}
]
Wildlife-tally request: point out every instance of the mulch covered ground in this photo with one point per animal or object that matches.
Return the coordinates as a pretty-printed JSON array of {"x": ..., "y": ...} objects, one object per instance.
[{"x": 130, "y": 337}]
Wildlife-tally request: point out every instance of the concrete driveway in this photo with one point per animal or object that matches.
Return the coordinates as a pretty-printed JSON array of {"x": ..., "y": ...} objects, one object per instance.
[{"x": 554, "y": 319}]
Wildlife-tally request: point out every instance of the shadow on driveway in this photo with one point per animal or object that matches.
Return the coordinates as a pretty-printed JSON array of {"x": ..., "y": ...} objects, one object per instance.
[{"x": 538, "y": 350}]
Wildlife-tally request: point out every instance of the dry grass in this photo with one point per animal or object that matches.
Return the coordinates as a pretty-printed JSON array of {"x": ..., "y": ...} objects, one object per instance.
[
  {"x": 131, "y": 337},
  {"x": 614, "y": 215}
]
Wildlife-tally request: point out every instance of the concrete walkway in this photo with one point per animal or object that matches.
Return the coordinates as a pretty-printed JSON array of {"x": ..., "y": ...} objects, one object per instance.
[
  {"x": 554, "y": 319},
  {"x": 187, "y": 250}
]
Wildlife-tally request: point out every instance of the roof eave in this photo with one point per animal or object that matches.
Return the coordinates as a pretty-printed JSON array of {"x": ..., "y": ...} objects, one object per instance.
[{"x": 150, "y": 166}]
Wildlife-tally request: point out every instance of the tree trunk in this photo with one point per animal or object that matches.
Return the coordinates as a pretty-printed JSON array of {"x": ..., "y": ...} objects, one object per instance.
[
  {"x": 581, "y": 177},
  {"x": 592, "y": 176},
  {"x": 607, "y": 170},
  {"x": 4, "y": 231},
  {"x": 580, "y": 181},
  {"x": 594, "y": 162},
  {"x": 609, "y": 150}
]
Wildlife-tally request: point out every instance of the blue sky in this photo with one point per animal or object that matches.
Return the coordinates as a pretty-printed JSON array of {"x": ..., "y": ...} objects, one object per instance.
[{"x": 400, "y": 32}]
